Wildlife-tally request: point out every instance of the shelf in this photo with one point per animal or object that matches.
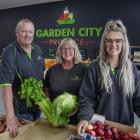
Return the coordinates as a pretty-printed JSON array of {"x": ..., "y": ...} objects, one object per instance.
[
  {"x": 138, "y": 64},
  {"x": 135, "y": 47}
]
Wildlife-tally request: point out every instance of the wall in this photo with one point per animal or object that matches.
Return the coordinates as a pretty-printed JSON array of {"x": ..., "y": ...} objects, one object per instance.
[{"x": 87, "y": 14}]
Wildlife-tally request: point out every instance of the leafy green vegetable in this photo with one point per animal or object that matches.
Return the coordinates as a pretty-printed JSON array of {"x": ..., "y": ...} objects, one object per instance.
[
  {"x": 63, "y": 106},
  {"x": 56, "y": 112},
  {"x": 32, "y": 91}
]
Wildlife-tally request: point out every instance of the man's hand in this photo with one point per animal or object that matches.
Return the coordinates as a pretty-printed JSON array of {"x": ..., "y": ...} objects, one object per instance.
[
  {"x": 11, "y": 120},
  {"x": 12, "y": 126},
  {"x": 81, "y": 127}
]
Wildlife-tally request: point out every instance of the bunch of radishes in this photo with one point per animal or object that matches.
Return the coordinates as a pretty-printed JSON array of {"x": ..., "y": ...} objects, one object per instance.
[{"x": 105, "y": 132}]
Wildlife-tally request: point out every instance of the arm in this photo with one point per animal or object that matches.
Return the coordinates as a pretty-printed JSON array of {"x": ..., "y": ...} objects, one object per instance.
[
  {"x": 87, "y": 98},
  {"x": 7, "y": 73},
  {"x": 136, "y": 97},
  {"x": 12, "y": 123}
]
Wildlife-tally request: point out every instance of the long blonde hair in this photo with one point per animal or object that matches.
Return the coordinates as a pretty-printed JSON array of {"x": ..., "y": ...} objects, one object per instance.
[{"x": 126, "y": 78}]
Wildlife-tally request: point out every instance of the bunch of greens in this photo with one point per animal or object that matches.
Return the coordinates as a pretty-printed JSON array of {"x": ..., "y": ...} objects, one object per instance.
[
  {"x": 57, "y": 112},
  {"x": 32, "y": 91}
]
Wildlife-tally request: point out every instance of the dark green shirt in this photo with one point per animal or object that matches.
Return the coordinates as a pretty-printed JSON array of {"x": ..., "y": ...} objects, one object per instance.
[
  {"x": 58, "y": 80},
  {"x": 93, "y": 98},
  {"x": 17, "y": 64}
]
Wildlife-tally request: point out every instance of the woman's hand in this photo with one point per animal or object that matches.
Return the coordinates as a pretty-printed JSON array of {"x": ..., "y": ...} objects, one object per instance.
[{"x": 81, "y": 127}]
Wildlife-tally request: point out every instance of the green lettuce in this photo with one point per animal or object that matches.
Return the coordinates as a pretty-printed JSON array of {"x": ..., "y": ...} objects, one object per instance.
[{"x": 63, "y": 105}]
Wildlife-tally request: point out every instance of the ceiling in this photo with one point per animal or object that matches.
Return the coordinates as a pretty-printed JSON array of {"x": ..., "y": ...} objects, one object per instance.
[{"x": 6, "y": 4}]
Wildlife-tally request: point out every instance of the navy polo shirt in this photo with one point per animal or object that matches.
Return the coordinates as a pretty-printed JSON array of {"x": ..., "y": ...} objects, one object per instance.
[{"x": 16, "y": 66}]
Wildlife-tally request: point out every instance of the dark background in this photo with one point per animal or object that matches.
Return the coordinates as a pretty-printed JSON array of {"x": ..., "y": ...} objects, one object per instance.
[{"x": 88, "y": 13}]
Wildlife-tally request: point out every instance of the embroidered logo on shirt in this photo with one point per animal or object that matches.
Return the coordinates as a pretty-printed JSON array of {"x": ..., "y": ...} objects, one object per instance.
[
  {"x": 39, "y": 58},
  {"x": 76, "y": 78}
]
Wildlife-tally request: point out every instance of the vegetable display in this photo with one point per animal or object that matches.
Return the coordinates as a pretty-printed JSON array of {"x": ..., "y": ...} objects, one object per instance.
[
  {"x": 101, "y": 131},
  {"x": 57, "y": 112}
]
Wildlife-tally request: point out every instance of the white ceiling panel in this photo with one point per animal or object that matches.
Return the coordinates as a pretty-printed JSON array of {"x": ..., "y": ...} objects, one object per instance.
[{"x": 6, "y": 4}]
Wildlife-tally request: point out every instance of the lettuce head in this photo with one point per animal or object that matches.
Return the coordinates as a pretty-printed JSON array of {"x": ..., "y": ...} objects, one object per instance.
[{"x": 64, "y": 105}]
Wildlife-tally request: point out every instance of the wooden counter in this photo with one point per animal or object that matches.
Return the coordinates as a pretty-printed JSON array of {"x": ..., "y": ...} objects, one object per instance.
[{"x": 41, "y": 130}]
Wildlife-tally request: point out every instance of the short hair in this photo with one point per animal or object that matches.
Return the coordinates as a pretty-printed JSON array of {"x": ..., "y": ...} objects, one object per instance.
[
  {"x": 21, "y": 22},
  {"x": 73, "y": 44}
]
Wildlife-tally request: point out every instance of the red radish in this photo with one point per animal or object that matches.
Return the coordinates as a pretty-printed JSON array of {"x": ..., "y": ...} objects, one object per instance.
[
  {"x": 130, "y": 135},
  {"x": 108, "y": 134},
  {"x": 116, "y": 136},
  {"x": 99, "y": 132},
  {"x": 98, "y": 123},
  {"x": 106, "y": 127},
  {"x": 114, "y": 130}
]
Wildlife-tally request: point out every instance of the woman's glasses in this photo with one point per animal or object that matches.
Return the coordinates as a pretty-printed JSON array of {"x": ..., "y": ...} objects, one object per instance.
[{"x": 67, "y": 49}]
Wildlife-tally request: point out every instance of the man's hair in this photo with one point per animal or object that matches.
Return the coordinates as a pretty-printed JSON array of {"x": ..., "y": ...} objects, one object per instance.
[{"x": 21, "y": 22}]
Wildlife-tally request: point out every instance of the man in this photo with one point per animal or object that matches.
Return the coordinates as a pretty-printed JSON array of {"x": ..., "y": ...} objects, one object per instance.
[{"x": 21, "y": 59}]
